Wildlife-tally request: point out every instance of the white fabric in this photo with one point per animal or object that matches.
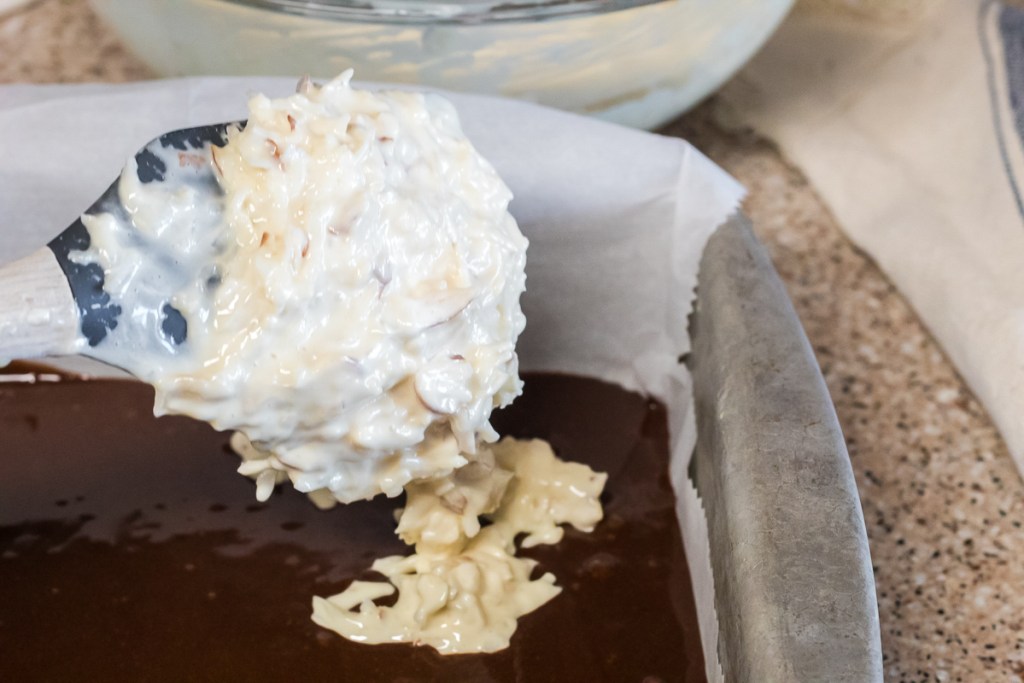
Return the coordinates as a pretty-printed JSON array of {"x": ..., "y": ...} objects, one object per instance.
[{"x": 907, "y": 130}]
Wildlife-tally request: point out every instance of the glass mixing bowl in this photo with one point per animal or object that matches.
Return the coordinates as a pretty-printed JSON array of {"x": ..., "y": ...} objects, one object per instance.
[{"x": 636, "y": 62}]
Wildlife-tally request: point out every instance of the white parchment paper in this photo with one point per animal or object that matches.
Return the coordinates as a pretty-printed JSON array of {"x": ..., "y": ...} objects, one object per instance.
[{"x": 617, "y": 220}]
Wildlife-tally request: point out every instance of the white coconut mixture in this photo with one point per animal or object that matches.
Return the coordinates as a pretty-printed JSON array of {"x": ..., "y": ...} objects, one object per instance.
[{"x": 356, "y": 324}]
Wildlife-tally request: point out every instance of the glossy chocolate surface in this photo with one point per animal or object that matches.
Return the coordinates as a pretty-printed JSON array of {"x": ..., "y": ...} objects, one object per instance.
[{"x": 131, "y": 550}]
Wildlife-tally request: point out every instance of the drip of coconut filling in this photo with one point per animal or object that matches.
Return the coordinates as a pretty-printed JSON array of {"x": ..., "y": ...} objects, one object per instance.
[{"x": 464, "y": 588}]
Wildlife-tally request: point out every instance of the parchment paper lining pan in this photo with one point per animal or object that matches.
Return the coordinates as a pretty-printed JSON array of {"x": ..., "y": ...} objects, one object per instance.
[{"x": 618, "y": 220}]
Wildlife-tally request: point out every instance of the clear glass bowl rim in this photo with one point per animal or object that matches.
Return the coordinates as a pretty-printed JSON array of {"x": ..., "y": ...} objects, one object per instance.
[{"x": 435, "y": 12}]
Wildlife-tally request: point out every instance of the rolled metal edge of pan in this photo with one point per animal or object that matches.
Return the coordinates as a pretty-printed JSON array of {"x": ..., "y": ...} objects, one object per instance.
[{"x": 794, "y": 588}]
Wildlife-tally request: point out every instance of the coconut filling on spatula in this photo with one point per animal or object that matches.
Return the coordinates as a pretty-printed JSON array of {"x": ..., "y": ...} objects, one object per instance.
[{"x": 357, "y": 328}]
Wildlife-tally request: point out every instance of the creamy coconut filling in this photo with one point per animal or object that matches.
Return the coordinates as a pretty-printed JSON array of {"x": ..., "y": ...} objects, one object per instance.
[
  {"x": 352, "y": 303},
  {"x": 464, "y": 588},
  {"x": 359, "y": 308}
]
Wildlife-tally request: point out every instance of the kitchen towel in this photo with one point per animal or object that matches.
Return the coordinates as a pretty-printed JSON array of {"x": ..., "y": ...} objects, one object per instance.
[{"x": 911, "y": 127}]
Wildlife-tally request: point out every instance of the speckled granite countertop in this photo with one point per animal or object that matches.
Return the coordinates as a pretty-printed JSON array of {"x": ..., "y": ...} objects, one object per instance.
[{"x": 943, "y": 503}]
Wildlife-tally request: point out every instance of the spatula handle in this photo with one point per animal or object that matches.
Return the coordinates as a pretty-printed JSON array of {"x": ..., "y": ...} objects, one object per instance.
[{"x": 38, "y": 315}]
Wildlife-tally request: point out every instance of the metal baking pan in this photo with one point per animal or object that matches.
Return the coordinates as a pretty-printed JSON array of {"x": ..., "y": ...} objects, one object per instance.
[{"x": 794, "y": 589}]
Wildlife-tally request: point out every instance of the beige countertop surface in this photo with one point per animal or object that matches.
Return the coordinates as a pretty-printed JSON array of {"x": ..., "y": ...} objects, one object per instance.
[{"x": 943, "y": 503}]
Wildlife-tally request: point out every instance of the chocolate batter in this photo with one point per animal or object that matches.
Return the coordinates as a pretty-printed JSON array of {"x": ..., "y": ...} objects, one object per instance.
[{"x": 131, "y": 550}]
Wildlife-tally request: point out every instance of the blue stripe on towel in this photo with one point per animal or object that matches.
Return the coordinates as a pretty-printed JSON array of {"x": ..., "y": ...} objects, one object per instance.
[
  {"x": 1011, "y": 30},
  {"x": 1010, "y": 21}
]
